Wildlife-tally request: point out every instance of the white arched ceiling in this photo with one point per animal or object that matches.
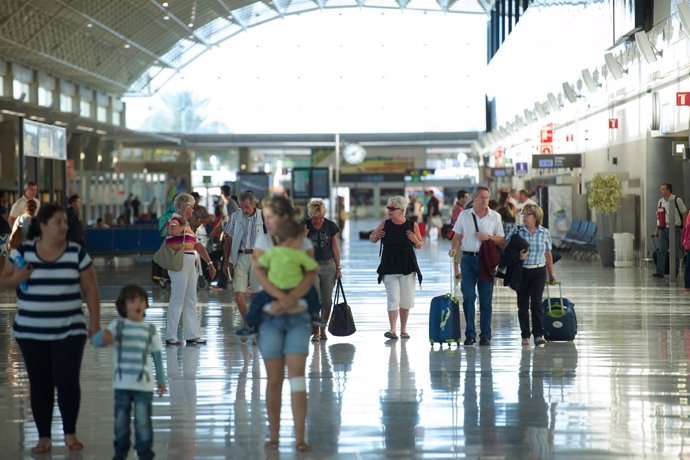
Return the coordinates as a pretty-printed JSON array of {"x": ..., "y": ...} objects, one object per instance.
[{"x": 121, "y": 46}]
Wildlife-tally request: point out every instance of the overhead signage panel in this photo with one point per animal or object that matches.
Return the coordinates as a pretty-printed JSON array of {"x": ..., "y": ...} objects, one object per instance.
[{"x": 567, "y": 160}]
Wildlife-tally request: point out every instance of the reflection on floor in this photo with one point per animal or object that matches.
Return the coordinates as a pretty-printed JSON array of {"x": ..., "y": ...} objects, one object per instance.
[{"x": 621, "y": 389}]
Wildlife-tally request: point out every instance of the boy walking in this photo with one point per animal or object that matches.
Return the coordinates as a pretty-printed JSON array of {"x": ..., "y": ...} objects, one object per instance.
[{"x": 133, "y": 340}]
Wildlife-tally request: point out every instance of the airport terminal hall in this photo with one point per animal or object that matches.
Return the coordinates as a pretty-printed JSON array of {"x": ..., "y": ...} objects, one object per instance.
[{"x": 344, "y": 229}]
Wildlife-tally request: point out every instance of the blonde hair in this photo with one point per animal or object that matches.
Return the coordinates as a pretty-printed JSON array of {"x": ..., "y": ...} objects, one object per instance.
[
  {"x": 536, "y": 210},
  {"x": 316, "y": 207}
]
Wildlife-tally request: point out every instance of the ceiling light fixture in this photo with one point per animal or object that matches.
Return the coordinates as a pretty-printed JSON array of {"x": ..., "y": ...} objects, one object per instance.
[
  {"x": 617, "y": 71},
  {"x": 590, "y": 81},
  {"x": 647, "y": 49}
]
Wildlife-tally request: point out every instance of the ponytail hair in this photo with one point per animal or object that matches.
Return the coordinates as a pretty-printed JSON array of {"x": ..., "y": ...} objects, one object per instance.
[{"x": 44, "y": 214}]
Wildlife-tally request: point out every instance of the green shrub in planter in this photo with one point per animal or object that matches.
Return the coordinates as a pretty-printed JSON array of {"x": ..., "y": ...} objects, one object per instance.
[{"x": 604, "y": 195}]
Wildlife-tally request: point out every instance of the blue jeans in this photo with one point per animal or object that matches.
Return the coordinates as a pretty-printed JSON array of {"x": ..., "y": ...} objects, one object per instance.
[
  {"x": 663, "y": 248},
  {"x": 281, "y": 335},
  {"x": 143, "y": 430},
  {"x": 469, "y": 266}
]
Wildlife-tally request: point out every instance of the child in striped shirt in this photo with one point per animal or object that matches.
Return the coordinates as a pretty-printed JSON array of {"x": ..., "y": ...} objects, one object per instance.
[{"x": 133, "y": 340}]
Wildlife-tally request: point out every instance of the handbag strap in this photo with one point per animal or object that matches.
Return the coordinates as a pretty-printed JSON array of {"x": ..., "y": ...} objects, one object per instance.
[{"x": 338, "y": 290}]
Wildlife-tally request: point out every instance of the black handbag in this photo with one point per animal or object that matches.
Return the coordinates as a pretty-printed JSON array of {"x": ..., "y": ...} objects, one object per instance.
[{"x": 342, "y": 323}]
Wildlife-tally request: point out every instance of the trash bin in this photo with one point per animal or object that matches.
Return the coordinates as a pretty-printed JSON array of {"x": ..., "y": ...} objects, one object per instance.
[{"x": 623, "y": 249}]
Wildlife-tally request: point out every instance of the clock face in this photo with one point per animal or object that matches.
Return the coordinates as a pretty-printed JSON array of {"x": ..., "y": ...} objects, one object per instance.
[{"x": 354, "y": 153}]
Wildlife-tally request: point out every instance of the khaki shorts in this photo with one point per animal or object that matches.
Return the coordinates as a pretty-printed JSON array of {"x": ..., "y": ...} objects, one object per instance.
[{"x": 244, "y": 276}]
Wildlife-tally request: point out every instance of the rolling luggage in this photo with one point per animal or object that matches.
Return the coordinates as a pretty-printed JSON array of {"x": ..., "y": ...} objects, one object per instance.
[
  {"x": 656, "y": 255},
  {"x": 444, "y": 317},
  {"x": 159, "y": 275},
  {"x": 560, "y": 320}
]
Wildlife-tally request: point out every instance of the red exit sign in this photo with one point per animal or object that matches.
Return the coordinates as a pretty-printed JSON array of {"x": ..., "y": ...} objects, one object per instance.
[{"x": 683, "y": 98}]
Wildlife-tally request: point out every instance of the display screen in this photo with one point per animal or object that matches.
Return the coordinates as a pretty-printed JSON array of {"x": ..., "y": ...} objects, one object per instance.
[
  {"x": 320, "y": 183},
  {"x": 301, "y": 183},
  {"x": 253, "y": 182}
]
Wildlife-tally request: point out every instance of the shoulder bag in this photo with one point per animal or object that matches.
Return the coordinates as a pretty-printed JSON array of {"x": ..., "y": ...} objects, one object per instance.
[
  {"x": 342, "y": 323},
  {"x": 168, "y": 258}
]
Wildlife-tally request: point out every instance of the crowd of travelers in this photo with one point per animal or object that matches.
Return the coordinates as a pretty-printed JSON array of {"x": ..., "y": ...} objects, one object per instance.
[{"x": 283, "y": 266}]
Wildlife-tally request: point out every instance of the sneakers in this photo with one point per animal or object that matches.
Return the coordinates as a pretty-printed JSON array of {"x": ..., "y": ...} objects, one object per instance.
[
  {"x": 245, "y": 331},
  {"x": 469, "y": 341},
  {"x": 484, "y": 342},
  {"x": 539, "y": 341},
  {"x": 525, "y": 342},
  {"x": 197, "y": 341}
]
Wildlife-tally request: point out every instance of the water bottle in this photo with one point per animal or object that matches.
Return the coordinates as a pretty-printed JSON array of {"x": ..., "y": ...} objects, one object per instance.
[{"x": 19, "y": 263}]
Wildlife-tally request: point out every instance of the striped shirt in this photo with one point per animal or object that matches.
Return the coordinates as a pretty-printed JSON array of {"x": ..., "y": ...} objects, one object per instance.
[
  {"x": 51, "y": 307},
  {"x": 132, "y": 356},
  {"x": 248, "y": 223},
  {"x": 539, "y": 243},
  {"x": 188, "y": 237}
]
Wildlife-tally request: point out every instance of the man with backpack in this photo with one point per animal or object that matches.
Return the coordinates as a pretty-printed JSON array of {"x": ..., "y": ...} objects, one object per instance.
[{"x": 667, "y": 203}]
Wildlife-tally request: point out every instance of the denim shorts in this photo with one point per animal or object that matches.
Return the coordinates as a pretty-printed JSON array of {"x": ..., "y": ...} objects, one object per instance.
[{"x": 281, "y": 335}]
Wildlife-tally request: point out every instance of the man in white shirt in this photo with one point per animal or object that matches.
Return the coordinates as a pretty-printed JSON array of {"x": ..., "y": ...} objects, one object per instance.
[
  {"x": 523, "y": 199},
  {"x": 19, "y": 206},
  {"x": 666, "y": 204},
  {"x": 469, "y": 239}
]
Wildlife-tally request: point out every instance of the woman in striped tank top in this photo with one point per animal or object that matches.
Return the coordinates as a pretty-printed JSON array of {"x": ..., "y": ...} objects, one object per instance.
[
  {"x": 50, "y": 327},
  {"x": 180, "y": 236}
]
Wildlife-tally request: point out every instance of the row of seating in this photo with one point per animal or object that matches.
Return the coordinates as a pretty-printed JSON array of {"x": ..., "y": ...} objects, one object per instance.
[
  {"x": 581, "y": 239},
  {"x": 119, "y": 241}
]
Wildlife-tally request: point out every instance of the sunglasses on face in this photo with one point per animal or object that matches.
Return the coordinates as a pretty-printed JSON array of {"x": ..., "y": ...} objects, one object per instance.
[{"x": 391, "y": 208}]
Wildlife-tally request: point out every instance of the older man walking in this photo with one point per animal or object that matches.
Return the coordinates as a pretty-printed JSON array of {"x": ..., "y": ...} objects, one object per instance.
[
  {"x": 243, "y": 229},
  {"x": 474, "y": 226}
]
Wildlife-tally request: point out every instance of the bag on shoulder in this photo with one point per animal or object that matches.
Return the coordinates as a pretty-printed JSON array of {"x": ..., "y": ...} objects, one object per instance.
[
  {"x": 168, "y": 258},
  {"x": 342, "y": 323}
]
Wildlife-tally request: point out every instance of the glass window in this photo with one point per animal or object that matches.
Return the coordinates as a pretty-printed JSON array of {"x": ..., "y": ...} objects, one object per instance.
[
  {"x": 66, "y": 104},
  {"x": 116, "y": 118},
  {"x": 101, "y": 114},
  {"x": 20, "y": 90},
  {"x": 45, "y": 97},
  {"x": 85, "y": 109}
]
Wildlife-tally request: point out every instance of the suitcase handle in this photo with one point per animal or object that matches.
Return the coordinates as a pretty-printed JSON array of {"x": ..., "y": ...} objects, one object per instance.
[{"x": 560, "y": 291}]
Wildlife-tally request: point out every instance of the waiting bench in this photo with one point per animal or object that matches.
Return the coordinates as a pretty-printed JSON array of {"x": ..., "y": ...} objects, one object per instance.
[{"x": 121, "y": 241}]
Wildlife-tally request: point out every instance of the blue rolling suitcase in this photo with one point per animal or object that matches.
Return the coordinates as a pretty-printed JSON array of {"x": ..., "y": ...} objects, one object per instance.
[
  {"x": 444, "y": 317},
  {"x": 560, "y": 320}
]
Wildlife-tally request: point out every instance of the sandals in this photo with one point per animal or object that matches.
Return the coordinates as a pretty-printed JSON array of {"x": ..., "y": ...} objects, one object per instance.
[
  {"x": 404, "y": 335},
  {"x": 75, "y": 445},
  {"x": 390, "y": 335},
  {"x": 324, "y": 336},
  {"x": 303, "y": 447},
  {"x": 315, "y": 338},
  {"x": 41, "y": 448},
  {"x": 273, "y": 445}
]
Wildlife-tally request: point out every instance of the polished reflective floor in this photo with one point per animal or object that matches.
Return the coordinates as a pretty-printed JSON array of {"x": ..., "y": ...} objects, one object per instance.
[{"x": 619, "y": 390}]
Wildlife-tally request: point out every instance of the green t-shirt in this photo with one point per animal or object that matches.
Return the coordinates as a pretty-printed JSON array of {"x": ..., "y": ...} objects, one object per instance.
[{"x": 286, "y": 266}]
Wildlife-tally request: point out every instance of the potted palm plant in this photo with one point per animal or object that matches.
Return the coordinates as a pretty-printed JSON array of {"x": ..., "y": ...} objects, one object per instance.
[{"x": 604, "y": 195}]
